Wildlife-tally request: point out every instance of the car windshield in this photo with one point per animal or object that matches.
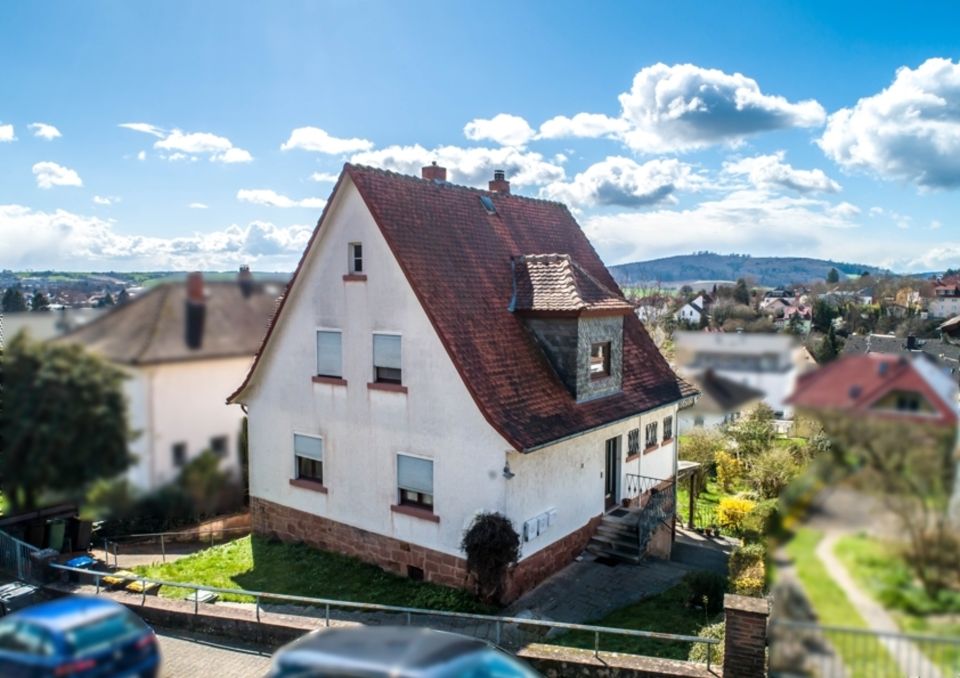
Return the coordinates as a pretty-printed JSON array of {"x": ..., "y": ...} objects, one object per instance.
[{"x": 103, "y": 632}]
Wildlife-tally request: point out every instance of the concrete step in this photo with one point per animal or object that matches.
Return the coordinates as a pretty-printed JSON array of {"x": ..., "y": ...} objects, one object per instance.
[
  {"x": 620, "y": 546},
  {"x": 616, "y": 531},
  {"x": 616, "y": 555}
]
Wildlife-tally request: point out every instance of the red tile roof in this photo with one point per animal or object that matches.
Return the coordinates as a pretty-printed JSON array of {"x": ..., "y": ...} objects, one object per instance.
[
  {"x": 456, "y": 255},
  {"x": 853, "y": 383},
  {"x": 555, "y": 282}
]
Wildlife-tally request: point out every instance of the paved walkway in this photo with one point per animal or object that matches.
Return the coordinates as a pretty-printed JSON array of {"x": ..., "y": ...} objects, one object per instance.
[{"x": 185, "y": 655}]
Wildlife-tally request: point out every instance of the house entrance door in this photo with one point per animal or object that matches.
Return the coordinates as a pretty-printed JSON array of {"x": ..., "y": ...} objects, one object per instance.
[{"x": 611, "y": 472}]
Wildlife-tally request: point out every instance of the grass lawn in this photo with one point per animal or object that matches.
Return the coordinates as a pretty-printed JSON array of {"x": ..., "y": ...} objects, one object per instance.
[
  {"x": 880, "y": 570},
  {"x": 666, "y": 613},
  {"x": 707, "y": 501},
  {"x": 865, "y": 657},
  {"x": 257, "y": 564}
]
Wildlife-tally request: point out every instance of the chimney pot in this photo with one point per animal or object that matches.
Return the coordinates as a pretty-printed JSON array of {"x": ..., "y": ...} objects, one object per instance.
[
  {"x": 499, "y": 183},
  {"x": 195, "y": 311},
  {"x": 245, "y": 280},
  {"x": 433, "y": 172}
]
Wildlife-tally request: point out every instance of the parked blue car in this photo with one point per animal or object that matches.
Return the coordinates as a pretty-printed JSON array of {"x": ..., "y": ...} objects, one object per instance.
[{"x": 77, "y": 637}]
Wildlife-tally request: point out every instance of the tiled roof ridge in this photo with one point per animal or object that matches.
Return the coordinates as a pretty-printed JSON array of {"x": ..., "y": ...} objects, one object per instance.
[
  {"x": 154, "y": 325},
  {"x": 451, "y": 185}
]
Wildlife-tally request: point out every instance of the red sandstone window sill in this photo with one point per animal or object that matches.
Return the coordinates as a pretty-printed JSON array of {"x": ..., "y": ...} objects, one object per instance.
[
  {"x": 415, "y": 512},
  {"x": 354, "y": 277},
  {"x": 666, "y": 441},
  {"x": 392, "y": 388},
  {"x": 650, "y": 448},
  {"x": 633, "y": 457},
  {"x": 305, "y": 484},
  {"x": 333, "y": 381}
]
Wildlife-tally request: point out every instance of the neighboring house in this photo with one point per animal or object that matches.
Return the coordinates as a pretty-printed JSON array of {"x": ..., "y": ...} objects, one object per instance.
[
  {"x": 722, "y": 401},
  {"x": 43, "y": 325},
  {"x": 945, "y": 352},
  {"x": 695, "y": 311},
  {"x": 443, "y": 351},
  {"x": 652, "y": 309},
  {"x": 803, "y": 315},
  {"x": 183, "y": 346},
  {"x": 905, "y": 388},
  {"x": 945, "y": 302},
  {"x": 766, "y": 362}
]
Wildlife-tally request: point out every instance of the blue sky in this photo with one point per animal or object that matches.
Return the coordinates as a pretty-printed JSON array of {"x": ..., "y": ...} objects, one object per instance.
[{"x": 203, "y": 135}]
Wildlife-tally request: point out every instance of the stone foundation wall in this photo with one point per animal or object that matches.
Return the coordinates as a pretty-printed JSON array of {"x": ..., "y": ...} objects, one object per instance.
[{"x": 290, "y": 525}]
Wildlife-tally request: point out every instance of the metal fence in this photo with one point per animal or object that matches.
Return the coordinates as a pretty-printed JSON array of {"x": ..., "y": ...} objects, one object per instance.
[
  {"x": 807, "y": 649},
  {"x": 134, "y": 544},
  {"x": 504, "y": 631},
  {"x": 15, "y": 557}
]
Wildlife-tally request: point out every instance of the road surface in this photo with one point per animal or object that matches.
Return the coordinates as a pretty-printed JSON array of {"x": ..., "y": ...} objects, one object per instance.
[{"x": 186, "y": 655}]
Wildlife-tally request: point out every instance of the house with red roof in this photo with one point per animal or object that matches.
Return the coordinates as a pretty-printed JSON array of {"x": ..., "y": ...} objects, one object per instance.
[
  {"x": 911, "y": 389},
  {"x": 442, "y": 351}
]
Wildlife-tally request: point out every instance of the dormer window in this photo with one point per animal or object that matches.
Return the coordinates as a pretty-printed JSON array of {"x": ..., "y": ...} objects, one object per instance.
[
  {"x": 356, "y": 258},
  {"x": 600, "y": 360}
]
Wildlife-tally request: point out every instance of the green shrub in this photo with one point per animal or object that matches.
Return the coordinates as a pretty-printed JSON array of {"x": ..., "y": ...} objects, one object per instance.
[
  {"x": 762, "y": 521},
  {"x": 747, "y": 568},
  {"x": 698, "y": 652},
  {"x": 732, "y": 511},
  {"x": 771, "y": 471},
  {"x": 492, "y": 545},
  {"x": 701, "y": 445},
  {"x": 706, "y": 589}
]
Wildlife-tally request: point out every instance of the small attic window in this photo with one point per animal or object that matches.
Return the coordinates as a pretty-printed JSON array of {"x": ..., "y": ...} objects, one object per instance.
[
  {"x": 488, "y": 204},
  {"x": 855, "y": 392},
  {"x": 600, "y": 360}
]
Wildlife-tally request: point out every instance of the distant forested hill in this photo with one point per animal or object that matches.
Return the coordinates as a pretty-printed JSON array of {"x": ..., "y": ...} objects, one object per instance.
[{"x": 769, "y": 271}]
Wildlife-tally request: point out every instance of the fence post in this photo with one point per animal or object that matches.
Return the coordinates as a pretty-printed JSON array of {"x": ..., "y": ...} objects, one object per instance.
[
  {"x": 258, "y": 608},
  {"x": 163, "y": 550},
  {"x": 327, "y": 615},
  {"x": 745, "y": 638}
]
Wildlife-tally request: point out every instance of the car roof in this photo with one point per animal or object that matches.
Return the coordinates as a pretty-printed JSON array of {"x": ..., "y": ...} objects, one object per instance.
[
  {"x": 390, "y": 648},
  {"x": 67, "y": 613}
]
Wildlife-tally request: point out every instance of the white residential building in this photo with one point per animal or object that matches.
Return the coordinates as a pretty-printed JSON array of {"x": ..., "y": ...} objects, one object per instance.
[{"x": 443, "y": 351}]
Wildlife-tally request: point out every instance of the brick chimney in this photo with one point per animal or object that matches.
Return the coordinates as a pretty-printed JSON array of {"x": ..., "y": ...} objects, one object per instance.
[
  {"x": 245, "y": 281},
  {"x": 500, "y": 183},
  {"x": 196, "y": 310},
  {"x": 433, "y": 172}
]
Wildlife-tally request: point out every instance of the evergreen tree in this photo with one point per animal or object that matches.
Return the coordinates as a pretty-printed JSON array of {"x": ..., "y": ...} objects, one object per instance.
[
  {"x": 833, "y": 276},
  {"x": 741, "y": 292},
  {"x": 105, "y": 300},
  {"x": 13, "y": 301},
  {"x": 829, "y": 347},
  {"x": 123, "y": 297},
  {"x": 39, "y": 302}
]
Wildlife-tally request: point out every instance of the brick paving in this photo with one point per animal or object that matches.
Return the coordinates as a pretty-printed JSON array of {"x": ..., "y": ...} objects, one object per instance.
[{"x": 188, "y": 655}]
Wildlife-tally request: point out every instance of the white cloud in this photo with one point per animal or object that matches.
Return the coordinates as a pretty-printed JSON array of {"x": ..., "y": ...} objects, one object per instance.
[
  {"x": 44, "y": 131},
  {"x": 269, "y": 198},
  {"x": 198, "y": 206},
  {"x": 749, "y": 220},
  {"x": 105, "y": 200},
  {"x": 935, "y": 225},
  {"x": 6, "y": 133},
  {"x": 583, "y": 125},
  {"x": 765, "y": 171},
  {"x": 68, "y": 241},
  {"x": 144, "y": 127},
  {"x": 685, "y": 107},
  {"x": 910, "y": 131},
  {"x": 318, "y": 140},
  {"x": 50, "y": 174},
  {"x": 504, "y": 129},
  {"x": 845, "y": 210},
  {"x": 178, "y": 145},
  {"x": 141, "y": 156},
  {"x": 624, "y": 182},
  {"x": 328, "y": 177},
  {"x": 471, "y": 166}
]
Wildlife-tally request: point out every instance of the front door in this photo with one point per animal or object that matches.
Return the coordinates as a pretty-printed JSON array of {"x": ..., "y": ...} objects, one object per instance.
[{"x": 611, "y": 472}]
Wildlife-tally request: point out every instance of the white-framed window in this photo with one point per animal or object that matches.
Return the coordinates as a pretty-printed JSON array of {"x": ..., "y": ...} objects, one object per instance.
[
  {"x": 415, "y": 481},
  {"x": 667, "y": 428},
  {"x": 308, "y": 457},
  {"x": 386, "y": 359},
  {"x": 355, "y": 253},
  {"x": 600, "y": 360},
  {"x": 650, "y": 439},
  {"x": 329, "y": 353}
]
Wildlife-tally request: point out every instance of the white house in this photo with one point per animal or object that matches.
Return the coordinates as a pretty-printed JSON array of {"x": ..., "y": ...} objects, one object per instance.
[
  {"x": 693, "y": 312},
  {"x": 945, "y": 302},
  {"x": 768, "y": 363},
  {"x": 722, "y": 401},
  {"x": 442, "y": 351},
  {"x": 183, "y": 346}
]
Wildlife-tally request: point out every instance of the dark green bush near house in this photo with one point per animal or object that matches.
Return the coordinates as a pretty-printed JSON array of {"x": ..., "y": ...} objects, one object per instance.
[
  {"x": 492, "y": 546},
  {"x": 698, "y": 652},
  {"x": 762, "y": 521},
  {"x": 747, "y": 570},
  {"x": 706, "y": 589}
]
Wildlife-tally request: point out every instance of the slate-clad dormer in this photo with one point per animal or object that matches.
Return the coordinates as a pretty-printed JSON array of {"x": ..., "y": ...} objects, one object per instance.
[{"x": 576, "y": 319}]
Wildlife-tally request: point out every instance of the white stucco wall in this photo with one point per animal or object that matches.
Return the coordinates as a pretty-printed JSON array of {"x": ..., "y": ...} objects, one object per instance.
[{"x": 182, "y": 402}]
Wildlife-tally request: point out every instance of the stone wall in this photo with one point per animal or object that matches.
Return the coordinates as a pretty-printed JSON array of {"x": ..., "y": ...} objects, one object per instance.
[
  {"x": 554, "y": 661},
  {"x": 595, "y": 330},
  {"x": 290, "y": 525},
  {"x": 559, "y": 339}
]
